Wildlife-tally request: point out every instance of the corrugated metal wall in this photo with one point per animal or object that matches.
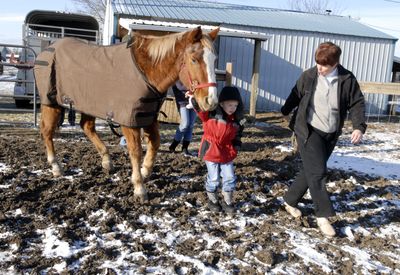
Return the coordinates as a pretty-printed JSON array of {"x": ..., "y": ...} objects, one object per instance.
[{"x": 288, "y": 53}]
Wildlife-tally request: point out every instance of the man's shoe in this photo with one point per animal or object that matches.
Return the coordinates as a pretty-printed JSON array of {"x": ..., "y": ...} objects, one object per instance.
[
  {"x": 326, "y": 227},
  {"x": 295, "y": 212}
]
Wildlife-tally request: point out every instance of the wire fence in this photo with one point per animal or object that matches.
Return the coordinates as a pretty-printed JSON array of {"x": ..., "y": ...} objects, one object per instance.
[
  {"x": 8, "y": 92},
  {"x": 382, "y": 101}
]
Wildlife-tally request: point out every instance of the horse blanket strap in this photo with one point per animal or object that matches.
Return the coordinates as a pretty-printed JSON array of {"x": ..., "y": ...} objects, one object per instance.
[
  {"x": 41, "y": 63},
  {"x": 113, "y": 127},
  {"x": 101, "y": 81},
  {"x": 49, "y": 49}
]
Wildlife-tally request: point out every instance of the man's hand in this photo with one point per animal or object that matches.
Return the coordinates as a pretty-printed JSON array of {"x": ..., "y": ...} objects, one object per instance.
[{"x": 356, "y": 136}]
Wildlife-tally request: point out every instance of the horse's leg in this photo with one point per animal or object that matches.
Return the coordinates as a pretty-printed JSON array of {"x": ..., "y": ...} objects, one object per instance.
[
  {"x": 49, "y": 117},
  {"x": 152, "y": 136},
  {"x": 88, "y": 125},
  {"x": 134, "y": 145}
]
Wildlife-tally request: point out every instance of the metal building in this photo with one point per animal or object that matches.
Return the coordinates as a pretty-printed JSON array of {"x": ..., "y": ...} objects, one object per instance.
[{"x": 293, "y": 38}]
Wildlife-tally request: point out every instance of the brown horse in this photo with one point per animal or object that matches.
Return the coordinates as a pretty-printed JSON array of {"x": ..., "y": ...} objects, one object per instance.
[{"x": 187, "y": 56}]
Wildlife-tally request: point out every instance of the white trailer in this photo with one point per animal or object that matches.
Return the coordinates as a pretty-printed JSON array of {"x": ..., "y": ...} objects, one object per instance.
[{"x": 40, "y": 29}]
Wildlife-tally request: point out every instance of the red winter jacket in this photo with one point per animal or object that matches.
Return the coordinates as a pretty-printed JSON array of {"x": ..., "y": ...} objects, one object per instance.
[{"x": 219, "y": 138}]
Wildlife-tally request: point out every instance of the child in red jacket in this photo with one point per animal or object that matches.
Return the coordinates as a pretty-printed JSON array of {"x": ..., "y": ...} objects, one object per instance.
[{"x": 219, "y": 146}]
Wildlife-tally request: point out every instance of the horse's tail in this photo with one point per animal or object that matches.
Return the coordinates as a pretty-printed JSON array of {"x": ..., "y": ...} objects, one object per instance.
[{"x": 45, "y": 76}]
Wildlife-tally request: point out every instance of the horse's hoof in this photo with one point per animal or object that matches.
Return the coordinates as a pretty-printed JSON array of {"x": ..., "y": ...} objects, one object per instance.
[
  {"x": 145, "y": 172},
  {"x": 108, "y": 169},
  {"x": 56, "y": 170},
  {"x": 142, "y": 198},
  {"x": 107, "y": 165}
]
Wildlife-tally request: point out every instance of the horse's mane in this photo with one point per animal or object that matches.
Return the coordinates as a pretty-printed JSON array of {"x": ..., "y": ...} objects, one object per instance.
[
  {"x": 159, "y": 46},
  {"x": 206, "y": 42}
]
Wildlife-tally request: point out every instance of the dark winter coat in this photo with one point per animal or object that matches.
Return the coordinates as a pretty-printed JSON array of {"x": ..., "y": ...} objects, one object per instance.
[
  {"x": 222, "y": 134},
  {"x": 350, "y": 99},
  {"x": 180, "y": 97}
]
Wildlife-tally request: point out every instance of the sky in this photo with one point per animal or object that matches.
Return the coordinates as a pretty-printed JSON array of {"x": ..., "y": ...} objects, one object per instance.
[{"x": 379, "y": 14}]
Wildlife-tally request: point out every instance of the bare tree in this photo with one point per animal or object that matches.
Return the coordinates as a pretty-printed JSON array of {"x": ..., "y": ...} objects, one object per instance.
[
  {"x": 96, "y": 8},
  {"x": 315, "y": 6}
]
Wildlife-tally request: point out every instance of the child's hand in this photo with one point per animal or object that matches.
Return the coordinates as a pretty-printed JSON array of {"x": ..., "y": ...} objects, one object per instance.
[{"x": 190, "y": 105}]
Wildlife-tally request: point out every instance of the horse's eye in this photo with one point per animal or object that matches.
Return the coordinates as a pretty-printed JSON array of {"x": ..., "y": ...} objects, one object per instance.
[{"x": 194, "y": 61}]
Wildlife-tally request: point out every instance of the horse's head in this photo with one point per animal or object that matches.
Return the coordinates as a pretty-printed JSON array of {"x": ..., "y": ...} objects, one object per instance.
[{"x": 197, "y": 71}]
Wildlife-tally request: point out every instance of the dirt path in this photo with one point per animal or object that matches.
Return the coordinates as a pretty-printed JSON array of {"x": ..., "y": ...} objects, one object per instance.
[{"x": 88, "y": 221}]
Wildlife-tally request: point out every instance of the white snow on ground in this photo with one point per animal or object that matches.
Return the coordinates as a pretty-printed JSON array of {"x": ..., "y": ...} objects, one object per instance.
[
  {"x": 377, "y": 155},
  {"x": 7, "y": 88},
  {"x": 3, "y": 167},
  {"x": 364, "y": 260},
  {"x": 306, "y": 250},
  {"x": 302, "y": 245},
  {"x": 53, "y": 247}
]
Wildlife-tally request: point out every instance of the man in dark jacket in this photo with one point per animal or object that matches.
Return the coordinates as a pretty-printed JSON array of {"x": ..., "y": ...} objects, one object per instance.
[{"x": 322, "y": 95}]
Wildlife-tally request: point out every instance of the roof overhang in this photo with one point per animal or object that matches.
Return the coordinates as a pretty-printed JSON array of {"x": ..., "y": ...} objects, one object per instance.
[{"x": 149, "y": 25}]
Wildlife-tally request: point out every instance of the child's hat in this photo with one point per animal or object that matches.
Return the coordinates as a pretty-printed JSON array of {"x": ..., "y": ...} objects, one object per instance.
[{"x": 229, "y": 93}]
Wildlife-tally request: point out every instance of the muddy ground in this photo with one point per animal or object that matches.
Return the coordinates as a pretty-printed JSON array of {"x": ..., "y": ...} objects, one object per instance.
[{"x": 106, "y": 231}]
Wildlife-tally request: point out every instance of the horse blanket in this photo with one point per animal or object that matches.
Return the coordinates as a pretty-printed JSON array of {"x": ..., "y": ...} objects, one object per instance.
[{"x": 101, "y": 81}]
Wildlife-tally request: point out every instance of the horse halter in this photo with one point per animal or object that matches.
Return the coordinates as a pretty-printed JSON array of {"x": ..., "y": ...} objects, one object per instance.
[{"x": 194, "y": 85}]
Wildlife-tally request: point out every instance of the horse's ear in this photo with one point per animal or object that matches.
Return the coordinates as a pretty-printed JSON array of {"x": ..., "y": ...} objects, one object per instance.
[
  {"x": 213, "y": 34},
  {"x": 195, "y": 35}
]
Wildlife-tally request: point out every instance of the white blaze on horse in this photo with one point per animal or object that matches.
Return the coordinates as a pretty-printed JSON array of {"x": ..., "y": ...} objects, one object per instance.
[{"x": 125, "y": 84}]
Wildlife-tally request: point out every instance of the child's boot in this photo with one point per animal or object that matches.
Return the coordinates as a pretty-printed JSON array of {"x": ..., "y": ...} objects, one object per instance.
[
  {"x": 213, "y": 204},
  {"x": 227, "y": 204},
  {"x": 173, "y": 145}
]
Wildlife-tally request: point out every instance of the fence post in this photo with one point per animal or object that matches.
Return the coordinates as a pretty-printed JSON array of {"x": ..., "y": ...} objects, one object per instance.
[
  {"x": 255, "y": 77},
  {"x": 228, "y": 75}
]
